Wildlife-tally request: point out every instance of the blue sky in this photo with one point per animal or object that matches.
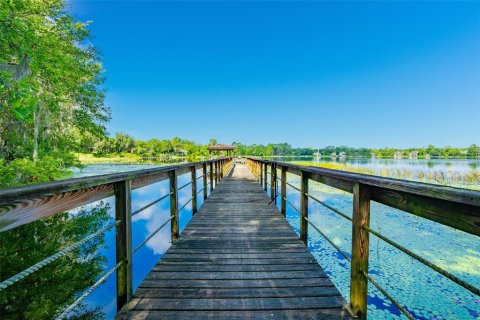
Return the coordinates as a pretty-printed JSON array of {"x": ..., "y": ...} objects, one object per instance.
[{"x": 370, "y": 74}]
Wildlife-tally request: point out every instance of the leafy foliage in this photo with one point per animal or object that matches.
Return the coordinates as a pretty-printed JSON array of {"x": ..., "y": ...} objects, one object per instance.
[
  {"x": 50, "y": 80},
  {"x": 45, "y": 293}
]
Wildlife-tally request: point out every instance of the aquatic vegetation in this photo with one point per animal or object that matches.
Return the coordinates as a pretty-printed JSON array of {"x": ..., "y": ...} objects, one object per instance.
[
  {"x": 426, "y": 294},
  {"x": 466, "y": 178}
]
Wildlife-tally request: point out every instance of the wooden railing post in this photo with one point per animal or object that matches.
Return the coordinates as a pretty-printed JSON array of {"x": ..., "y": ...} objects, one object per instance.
[
  {"x": 265, "y": 176},
  {"x": 172, "y": 175},
  {"x": 123, "y": 212},
  {"x": 211, "y": 176},
  {"x": 205, "y": 190},
  {"x": 283, "y": 192},
  {"x": 217, "y": 175},
  {"x": 304, "y": 207},
  {"x": 275, "y": 182},
  {"x": 260, "y": 172},
  {"x": 221, "y": 169},
  {"x": 360, "y": 250},
  {"x": 194, "y": 190},
  {"x": 272, "y": 180}
]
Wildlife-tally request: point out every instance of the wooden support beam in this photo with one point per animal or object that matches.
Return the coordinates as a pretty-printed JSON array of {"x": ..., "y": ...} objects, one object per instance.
[
  {"x": 205, "y": 190},
  {"x": 360, "y": 250},
  {"x": 123, "y": 210},
  {"x": 194, "y": 190},
  {"x": 304, "y": 208},
  {"x": 283, "y": 192},
  {"x": 174, "y": 205}
]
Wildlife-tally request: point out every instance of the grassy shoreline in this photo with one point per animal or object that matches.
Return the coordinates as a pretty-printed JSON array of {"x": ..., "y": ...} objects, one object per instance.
[
  {"x": 468, "y": 180},
  {"x": 86, "y": 158}
]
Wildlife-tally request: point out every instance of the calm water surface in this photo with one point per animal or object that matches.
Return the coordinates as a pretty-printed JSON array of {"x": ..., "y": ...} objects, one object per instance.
[{"x": 426, "y": 294}]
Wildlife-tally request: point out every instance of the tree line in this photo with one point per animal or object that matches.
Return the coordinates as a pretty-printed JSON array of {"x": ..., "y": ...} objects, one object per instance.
[{"x": 123, "y": 143}]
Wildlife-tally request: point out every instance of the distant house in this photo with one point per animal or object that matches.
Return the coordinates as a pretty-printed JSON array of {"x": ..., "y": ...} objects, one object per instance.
[
  {"x": 181, "y": 152},
  {"x": 373, "y": 155},
  {"x": 398, "y": 155},
  {"x": 413, "y": 155},
  {"x": 342, "y": 155},
  {"x": 333, "y": 155}
]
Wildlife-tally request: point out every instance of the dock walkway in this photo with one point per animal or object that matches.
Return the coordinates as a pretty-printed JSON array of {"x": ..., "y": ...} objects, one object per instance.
[{"x": 237, "y": 258}]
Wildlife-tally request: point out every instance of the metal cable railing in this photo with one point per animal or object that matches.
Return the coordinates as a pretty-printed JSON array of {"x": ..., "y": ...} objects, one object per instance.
[
  {"x": 65, "y": 312},
  {"x": 19, "y": 276},
  {"x": 182, "y": 207},
  {"x": 151, "y": 204},
  {"x": 292, "y": 186},
  {"x": 304, "y": 216},
  {"x": 427, "y": 263},
  {"x": 151, "y": 235},
  {"x": 388, "y": 296},
  {"x": 291, "y": 205},
  {"x": 185, "y": 185},
  {"x": 122, "y": 186}
]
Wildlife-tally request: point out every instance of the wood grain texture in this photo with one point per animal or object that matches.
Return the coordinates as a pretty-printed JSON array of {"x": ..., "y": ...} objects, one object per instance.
[
  {"x": 26, "y": 204},
  {"x": 194, "y": 189},
  {"x": 360, "y": 250},
  {"x": 237, "y": 258},
  {"x": 175, "y": 230},
  {"x": 304, "y": 208},
  {"x": 123, "y": 246},
  {"x": 454, "y": 207},
  {"x": 205, "y": 179}
]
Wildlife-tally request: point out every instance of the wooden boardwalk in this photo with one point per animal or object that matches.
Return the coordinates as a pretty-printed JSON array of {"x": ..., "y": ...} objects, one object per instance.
[{"x": 237, "y": 258}]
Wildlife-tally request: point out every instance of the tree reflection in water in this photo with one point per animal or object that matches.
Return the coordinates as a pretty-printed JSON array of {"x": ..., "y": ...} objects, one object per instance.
[{"x": 45, "y": 293}]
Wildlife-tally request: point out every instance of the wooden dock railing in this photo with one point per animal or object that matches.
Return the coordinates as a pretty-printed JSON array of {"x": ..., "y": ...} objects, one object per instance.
[
  {"x": 453, "y": 207},
  {"x": 22, "y": 205}
]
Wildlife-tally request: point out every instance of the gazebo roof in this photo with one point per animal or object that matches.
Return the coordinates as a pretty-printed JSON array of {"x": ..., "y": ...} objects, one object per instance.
[{"x": 220, "y": 147}]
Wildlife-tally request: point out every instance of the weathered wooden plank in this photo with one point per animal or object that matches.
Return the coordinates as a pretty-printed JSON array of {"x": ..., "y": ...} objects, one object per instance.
[
  {"x": 218, "y": 293},
  {"x": 238, "y": 304},
  {"x": 194, "y": 189},
  {"x": 360, "y": 250},
  {"x": 256, "y": 283},
  {"x": 182, "y": 267},
  {"x": 240, "y": 275},
  {"x": 175, "y": 230},
  {"x": 123, "y": 245},
  {"x": 322, "y": 314},
  {"x": 237, "y": 253},
  {"x": 455, "y": 207},
  {"x": 21, "y": 205}
]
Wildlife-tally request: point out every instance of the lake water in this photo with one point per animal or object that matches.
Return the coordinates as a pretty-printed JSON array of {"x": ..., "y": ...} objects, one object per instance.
[{"x": 426, "y": 294}]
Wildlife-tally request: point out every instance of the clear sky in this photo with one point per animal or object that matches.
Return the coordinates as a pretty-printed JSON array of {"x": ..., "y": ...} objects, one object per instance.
[{"x": 371, "y": 74}]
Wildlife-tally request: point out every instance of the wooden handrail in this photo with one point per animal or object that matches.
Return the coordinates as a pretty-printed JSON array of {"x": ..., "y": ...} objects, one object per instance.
[
  {"x": 26, "y": 204},
  {"x": 21, "y": 205},
  {"x": 455, "y": 207}
]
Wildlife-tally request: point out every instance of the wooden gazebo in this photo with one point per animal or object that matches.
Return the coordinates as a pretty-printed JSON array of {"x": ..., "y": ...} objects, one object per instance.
[{"x": 221, "y": 147}]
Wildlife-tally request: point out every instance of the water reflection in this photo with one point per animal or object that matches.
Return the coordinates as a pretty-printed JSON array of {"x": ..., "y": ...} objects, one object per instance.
[
  {"x": 46, "y": 292},
  {"x": 425, "y": 293}
]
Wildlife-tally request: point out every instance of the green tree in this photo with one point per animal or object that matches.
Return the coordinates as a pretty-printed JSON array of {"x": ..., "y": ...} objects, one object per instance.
[
  {"x": 45, "y": 293},
  {"x": 50, "y": 80}
]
